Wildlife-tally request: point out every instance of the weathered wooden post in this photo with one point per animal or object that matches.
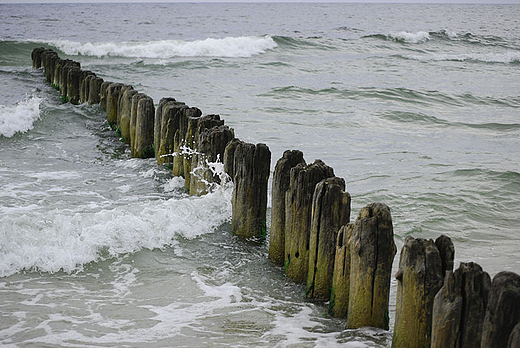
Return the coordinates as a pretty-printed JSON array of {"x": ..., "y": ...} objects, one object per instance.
[
  {"x": 64, "y": 76},
  {"x": 169, "y": 119},
  {"x": 459, "y": 307},
  {"x": 94, "y": 90},
  {"x": 251, "y": 167},
  {"x": 229, "y": 157},
  {"x": 281, "y": 180},
  {"x": 103, "y": 89},
  {"x": 144, "y": 128},
  {"x": 179, "y": 139},
  {"x": 503, "y": 310},
  {"x": 120, "y": 103},
  {"x": 158, "y": 123},
  {"x": 330, "y": 211},
  {"x": 84, "y": 84},
  {"x": 372, "y": 251},
  {"x": 125, "y": 113},
  {"x": 341, "y": 278},
  {"x": 73, "y": 84},
  {"x": 211, "y": 144},
  {"x": 196, "y": 125},
  {"x": 514, "y": 338},
  {"x": 298, "y": 200},
  {"x": 133, "y": 121},
  {"x": 419, "y": 277},
  {"x": 36, "y": 56},
  {"x": 113, "y": 91}
]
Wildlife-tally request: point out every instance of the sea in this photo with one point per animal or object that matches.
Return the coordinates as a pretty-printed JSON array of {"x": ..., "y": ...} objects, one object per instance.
[{"x": 414, "y": 105}]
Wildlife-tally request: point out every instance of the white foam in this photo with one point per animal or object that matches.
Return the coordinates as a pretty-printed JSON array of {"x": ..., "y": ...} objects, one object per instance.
[
  {"x": 56, "y": 240},
  {"x": 20, "y": 117},
  {"x": 404, "y": 36},
  {"x": 243, "y": 46}
]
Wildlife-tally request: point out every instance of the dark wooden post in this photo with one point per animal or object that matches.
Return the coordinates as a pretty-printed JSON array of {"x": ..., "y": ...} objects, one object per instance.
[{"x": 281, "y": 180}]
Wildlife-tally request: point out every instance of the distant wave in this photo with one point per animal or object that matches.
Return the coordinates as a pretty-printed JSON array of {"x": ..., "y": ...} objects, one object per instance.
[
  {"x": 509, "y": 57},
  {"x": 419, "y": 37},
  {"x": 243, "y": 46},
  {"x": 20, "y": 117}
]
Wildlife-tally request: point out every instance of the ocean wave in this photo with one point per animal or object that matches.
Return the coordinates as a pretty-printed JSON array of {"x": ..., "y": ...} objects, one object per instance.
[
  {"x": 510, "y": 57},
  {"x": 229, "y": 47},
  {"x": 20, "y": 117},
  {"x": 403, "y": 37},
  {"x": 50, "y": 241}
]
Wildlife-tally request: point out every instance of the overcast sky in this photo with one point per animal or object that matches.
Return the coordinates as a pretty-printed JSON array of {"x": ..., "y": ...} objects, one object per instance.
[{"x": 317, "y": 1}]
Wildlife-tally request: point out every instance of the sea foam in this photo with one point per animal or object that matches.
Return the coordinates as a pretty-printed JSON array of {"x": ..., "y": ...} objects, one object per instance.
[
  {"x": 229, "y": 47},
  {"x": 404, "y": 36},
  {"x": 20, "y": 117}
]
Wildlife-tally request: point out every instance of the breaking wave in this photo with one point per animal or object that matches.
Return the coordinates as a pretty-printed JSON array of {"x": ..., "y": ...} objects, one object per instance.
[
  {"x": 20, "y": 117},
  {"x": 229, "y": 47}
]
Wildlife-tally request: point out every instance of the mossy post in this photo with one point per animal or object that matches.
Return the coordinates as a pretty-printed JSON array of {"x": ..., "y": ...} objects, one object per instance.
[
  {"x": 171, "y": 112},
  {"x": 179, "y": 138},
  {"x": 133, "y": 121},
  {"x": 144, "y": 128},
  {"x": 249, "y": 201},
  {"x": 330, "y": 211},
  {"x": 298, "y": 206},
  {"x": 73, "y": 85},
  {"x": 103, "y": 89},
  {"x": 197, "y": 125},
  {"x": 211, "y": 144},
  {"x": 338, "y": 305},
  {"x": 125, "y": 113},
  {"x": 503, "y": 310},
  {"x": 94, "y": 90},
  {"x": 419, "y": 278},
  {"x": 120, "y": 103},
  {"x": 64, "y": 75},
  {"x": 372, "y": 251},
  {"x": 459, "y": 307},
  {"x": 84, "y": 84},
  {"x": 113, "y": 91},
  {"x": 36, "y": 56},
  {"x": 281, "y": 181},
  {"x": 158, "y": 123}
]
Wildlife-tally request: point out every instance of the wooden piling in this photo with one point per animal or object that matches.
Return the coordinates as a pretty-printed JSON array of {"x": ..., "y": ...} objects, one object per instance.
[
  {"x": 330, "y": 211},
  {"x": 144, "y": 128},
  {"x": 251, "y": 165},
  {"x": 502, "y": 311},
  {"x": 94, "y": 90},
  {"x": 298, "y": 201},
  {"x": 372, "y": 251},
  {"x": 112, "y": 98},
  {"x": 340, "y": 291},
  {"x": 125, "y": 113},
  {"x": 281, "y": 181},
  {"x": 419, "y": 277}
]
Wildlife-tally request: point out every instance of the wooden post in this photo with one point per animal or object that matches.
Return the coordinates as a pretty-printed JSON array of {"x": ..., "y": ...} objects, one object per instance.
[
  {"x": 94, "y": 90},
  {"x": 133, "y": 122},
  {"x": 419, "y": 277},
  {"x": 281, "y": 180},
  {"x": 73, "y": 85},
  {"x": 249, "y": 202},
  {"x": 372, "y": 251},
  {"x": 298, "y": 200},
  {"x": 459, "y": 307},
  {"x": 144, "y": 128},
  {"x": 341, "y": 278},
  {"x": 171, "y": 112},
  {"x": 503, "y": 310},
  {"x": 158, "y": 123},
  {"x": 125, "y": 113},
  {"x": 330, "y": 211},
  {"x": 113, "y": 91},
  {"x": 103, "y": 89}
]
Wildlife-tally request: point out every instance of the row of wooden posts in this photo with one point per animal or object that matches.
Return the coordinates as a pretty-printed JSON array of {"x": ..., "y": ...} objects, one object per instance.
[{"x": 311, "y": 237}]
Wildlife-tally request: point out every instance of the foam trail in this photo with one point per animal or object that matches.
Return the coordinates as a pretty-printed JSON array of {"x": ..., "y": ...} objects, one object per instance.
[
  {"x": 404, "y": 36},
  {"x": 19, "y": 118},
  {"x": 229, "y": 47}
]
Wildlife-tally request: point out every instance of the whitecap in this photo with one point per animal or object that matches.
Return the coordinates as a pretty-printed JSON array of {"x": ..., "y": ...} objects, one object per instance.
[
  {"x": 229, "y": 47},
  {"x": 20, "y": 117},
  {"x": 404, "y": 36}
]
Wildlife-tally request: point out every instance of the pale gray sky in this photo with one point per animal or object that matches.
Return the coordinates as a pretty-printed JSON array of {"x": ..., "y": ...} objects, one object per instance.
[{"x": 515, "y": 2}]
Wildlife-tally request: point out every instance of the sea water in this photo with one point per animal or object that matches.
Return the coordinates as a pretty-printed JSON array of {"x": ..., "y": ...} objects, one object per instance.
[{"x": 416, "y": 106}]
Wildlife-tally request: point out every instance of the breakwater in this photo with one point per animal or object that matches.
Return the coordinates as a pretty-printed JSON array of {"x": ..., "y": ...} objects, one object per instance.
[{"x": 316, "y": 214}]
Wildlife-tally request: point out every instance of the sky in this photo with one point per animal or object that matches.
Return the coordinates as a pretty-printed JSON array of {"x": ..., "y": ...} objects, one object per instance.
[{"x": 316, "y": 1}]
